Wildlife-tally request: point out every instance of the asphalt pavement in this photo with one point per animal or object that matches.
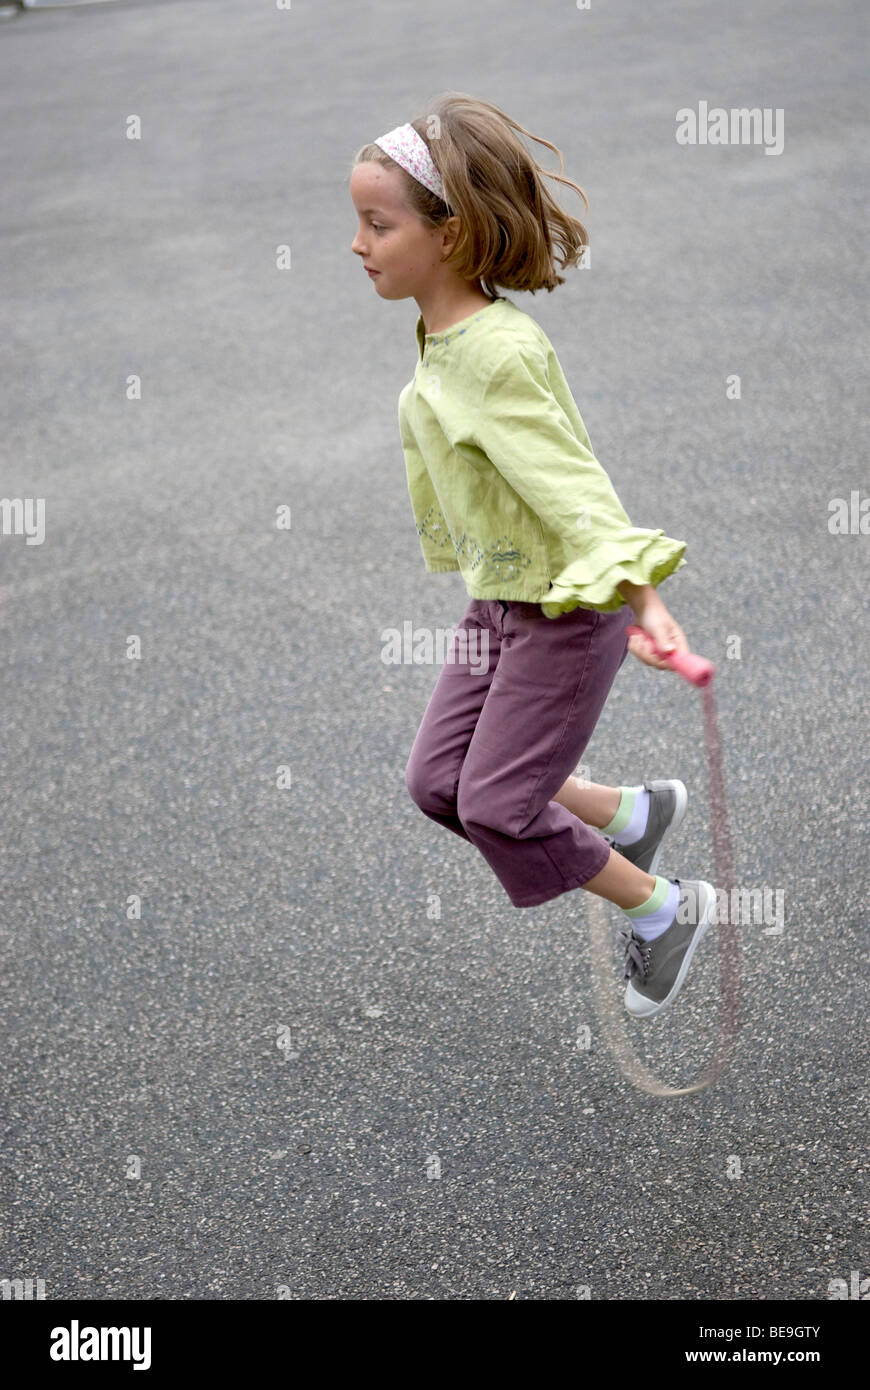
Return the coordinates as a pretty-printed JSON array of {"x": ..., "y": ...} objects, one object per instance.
[{"x": 265, "y": 1026}]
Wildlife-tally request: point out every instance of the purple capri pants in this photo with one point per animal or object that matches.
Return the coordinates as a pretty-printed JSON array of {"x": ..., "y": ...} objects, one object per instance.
[{"x": 515, "y": 705}]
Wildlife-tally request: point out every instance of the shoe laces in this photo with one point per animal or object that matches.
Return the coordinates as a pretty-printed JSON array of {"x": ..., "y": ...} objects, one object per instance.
[{"x": 637, "y": 953}]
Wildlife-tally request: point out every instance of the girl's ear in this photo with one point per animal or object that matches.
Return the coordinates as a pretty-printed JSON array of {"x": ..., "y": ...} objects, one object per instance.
[{"x": 450, "y": 230}]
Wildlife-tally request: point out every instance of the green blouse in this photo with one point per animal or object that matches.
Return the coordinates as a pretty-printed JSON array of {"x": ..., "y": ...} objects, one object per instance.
[{"x": 503, "y": 482}]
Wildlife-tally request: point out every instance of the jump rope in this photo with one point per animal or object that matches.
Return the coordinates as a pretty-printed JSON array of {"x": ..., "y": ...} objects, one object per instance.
[{"x": 698, "y": 672}]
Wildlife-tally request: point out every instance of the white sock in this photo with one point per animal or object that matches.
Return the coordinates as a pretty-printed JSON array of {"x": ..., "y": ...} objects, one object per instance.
[
  {"x": 636, "y": 824},
  {"x": 655, "y": 915}
]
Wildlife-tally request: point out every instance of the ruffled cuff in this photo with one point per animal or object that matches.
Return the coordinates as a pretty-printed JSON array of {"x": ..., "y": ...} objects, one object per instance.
[{"x": 641, "y": 557}]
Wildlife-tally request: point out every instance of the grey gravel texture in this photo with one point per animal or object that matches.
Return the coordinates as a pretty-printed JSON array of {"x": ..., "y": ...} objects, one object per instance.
[{"x": 422, "y": 1033}]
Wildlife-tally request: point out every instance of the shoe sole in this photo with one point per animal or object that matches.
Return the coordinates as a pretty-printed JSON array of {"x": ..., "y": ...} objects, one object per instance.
[
  {"x": 637, "y": 1004},
  {"x": 679, "y": 813}
]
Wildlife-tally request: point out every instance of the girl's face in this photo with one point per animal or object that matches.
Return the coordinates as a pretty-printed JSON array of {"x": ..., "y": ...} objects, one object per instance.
[{"x": 391, "y": 239}]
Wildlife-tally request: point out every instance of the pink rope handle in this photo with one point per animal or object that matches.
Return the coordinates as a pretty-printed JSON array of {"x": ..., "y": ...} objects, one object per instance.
[{"x": 697, "y": 670}]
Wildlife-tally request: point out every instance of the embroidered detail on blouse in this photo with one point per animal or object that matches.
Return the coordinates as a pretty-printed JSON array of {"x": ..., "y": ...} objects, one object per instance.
[
  {"x": 450, "y": 334},
  {"x": 505, "y": 563}
]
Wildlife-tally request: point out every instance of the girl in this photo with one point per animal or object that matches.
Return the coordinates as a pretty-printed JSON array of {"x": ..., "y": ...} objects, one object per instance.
[{"x": 505, "y": 487}]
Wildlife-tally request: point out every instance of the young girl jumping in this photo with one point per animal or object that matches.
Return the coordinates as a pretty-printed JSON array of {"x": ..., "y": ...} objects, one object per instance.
[{"x": 505, "y": 487}]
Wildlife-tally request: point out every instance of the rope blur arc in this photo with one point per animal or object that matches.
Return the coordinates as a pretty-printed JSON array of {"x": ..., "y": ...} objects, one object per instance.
[{"x": 611, "y": 1015}]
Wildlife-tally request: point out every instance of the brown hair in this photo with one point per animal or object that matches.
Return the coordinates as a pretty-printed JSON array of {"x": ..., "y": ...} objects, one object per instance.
[{"x": 509, "y": 223}]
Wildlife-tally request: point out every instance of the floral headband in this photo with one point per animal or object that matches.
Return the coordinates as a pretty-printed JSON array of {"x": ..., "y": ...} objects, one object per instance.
[{"x": 406, "y": 147}]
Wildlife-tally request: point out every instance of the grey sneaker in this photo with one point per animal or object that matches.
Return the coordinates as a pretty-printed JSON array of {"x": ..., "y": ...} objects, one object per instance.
[
  {"x": 667, "y": 807},
  {"x": 655, "y": 970}
]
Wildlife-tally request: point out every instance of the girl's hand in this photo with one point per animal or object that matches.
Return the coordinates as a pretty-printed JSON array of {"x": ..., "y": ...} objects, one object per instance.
[{"x": 664, "y": 633}]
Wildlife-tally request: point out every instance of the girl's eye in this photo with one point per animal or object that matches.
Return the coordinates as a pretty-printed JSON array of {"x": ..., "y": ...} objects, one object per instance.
[{"x": 378, "y": 226}]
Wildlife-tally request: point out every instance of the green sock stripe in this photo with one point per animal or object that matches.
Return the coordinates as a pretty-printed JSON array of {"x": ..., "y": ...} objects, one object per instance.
[
  {"x": 628, "y": 796},
  {"x": 653, "y": 902}
]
